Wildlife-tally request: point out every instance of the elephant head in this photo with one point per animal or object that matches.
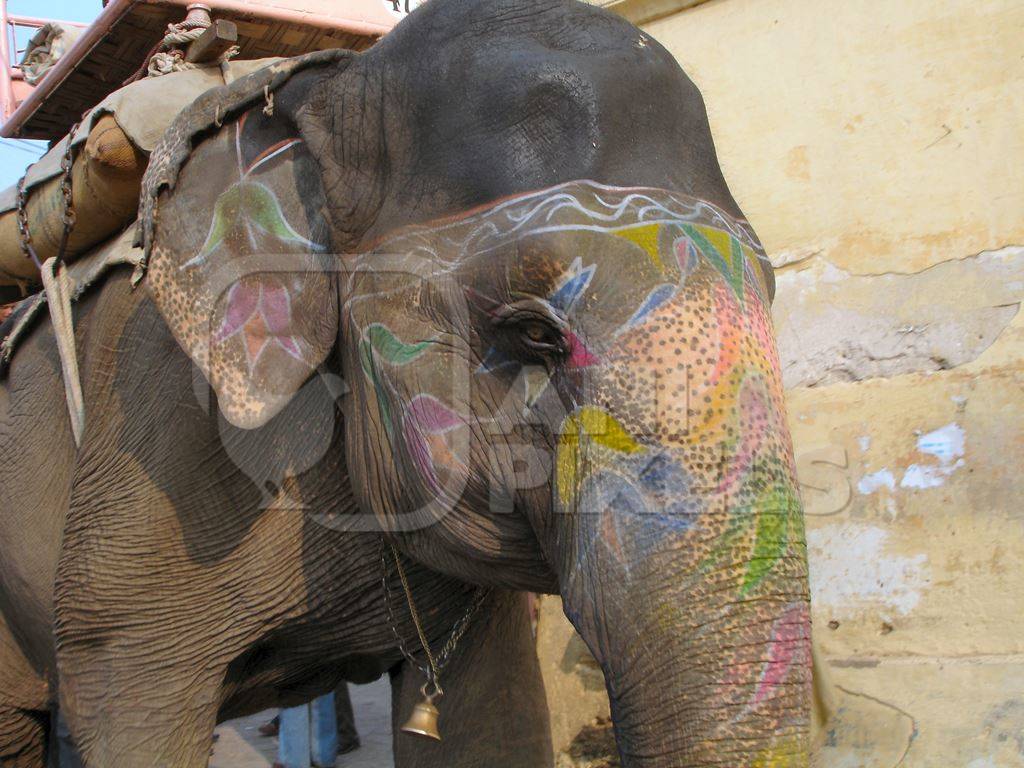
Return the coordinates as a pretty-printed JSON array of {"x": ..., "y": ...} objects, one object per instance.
[{"x": 505, "y": 227}]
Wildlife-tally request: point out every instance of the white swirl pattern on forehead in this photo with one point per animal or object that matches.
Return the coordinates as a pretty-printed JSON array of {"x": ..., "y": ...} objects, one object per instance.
[{"x": 564, "y": 208}]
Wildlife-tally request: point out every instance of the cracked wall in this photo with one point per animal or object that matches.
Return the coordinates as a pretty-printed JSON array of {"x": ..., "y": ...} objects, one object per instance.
[
  {"x": 833, "y": 325},
  {"x": 876, "y": 147}
]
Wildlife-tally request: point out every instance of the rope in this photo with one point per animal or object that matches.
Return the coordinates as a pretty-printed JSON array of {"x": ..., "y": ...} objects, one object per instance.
[{"x": 171, "y": 56}]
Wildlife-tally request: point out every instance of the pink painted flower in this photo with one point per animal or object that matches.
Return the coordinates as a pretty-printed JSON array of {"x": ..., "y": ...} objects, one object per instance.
[
  {"x": 427, "y": 419},
  {"x": 260, "y": 312}
]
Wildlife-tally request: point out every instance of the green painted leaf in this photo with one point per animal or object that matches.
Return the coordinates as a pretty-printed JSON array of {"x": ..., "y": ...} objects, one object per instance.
[
  {"x": 735, "y": 276},
  {"x": 366, "y": 358},
  {"x": 775, "y": 511},
  {"x": 731, "y": 266},
  {"x": 369, "y": 366},
  {"x": 392, "y": 349},
  {"x": 252, "y": 206}
]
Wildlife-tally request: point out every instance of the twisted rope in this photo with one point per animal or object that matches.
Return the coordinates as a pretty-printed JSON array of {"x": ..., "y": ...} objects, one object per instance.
[{"x": 171, "y": 56}]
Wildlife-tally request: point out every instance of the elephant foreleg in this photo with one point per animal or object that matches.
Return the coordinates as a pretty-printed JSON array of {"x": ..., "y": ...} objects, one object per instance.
[
  {"x": 23, "y": 703},
  {"x": 140, "y": 669},
  {"x": 22, "y": 738},
  {"x": 494, "y": 711},
  {"x": 157, "y": 717}
]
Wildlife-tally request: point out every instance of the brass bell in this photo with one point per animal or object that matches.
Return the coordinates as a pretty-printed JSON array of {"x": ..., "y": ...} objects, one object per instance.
[{"x": 423, "y": 721}]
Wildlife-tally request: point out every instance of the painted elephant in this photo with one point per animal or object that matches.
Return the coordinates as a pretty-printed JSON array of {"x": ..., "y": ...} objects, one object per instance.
[{"x": 480, "y": 292}]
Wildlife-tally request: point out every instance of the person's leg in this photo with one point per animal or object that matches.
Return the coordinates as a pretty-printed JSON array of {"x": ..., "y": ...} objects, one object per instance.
[
  {"x": 348, "y": 736},
  {"x": 294, "y": 747},
  {"x": 324, "y": 738},
  {"x": 67, "y": 753}
]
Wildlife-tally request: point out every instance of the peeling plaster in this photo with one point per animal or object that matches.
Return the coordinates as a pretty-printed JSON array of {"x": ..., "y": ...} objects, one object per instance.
[
  {"x": 851, "y": 568},
  {"x": 947, "y": 445},
  {"x": 883, "y": 478},
  {"x": 836, "y": 326},
  {"x": 920, "y": 477}
]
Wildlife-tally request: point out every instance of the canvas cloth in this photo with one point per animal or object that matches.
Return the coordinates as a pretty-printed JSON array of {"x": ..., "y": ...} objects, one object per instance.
[{"x": 47, "y": 46}]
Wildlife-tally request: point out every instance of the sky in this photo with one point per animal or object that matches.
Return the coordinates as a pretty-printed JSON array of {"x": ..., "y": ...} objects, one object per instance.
[{"x": 15, "y": 156}]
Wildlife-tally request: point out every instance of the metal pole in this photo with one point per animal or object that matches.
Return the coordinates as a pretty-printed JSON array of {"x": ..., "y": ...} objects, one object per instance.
[
  {"x": 7, "y": 104},
  {"x": 32, "y": 21}
]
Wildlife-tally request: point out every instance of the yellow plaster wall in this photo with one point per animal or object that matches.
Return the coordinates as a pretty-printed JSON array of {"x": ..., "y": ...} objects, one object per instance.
[
  {"x": 878, "y": 148},
  {"x": 884, "y": 135}
]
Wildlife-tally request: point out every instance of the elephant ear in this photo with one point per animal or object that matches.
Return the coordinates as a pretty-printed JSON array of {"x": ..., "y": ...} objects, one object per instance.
[{"x": 238, "y": 257}]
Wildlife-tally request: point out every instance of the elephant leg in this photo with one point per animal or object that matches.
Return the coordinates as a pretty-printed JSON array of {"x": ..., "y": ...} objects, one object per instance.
[
  {"x": 23, "y": 708},
  {"x": 23, "y": 732},
  {"x": 139, "y": 684},
  {"x": 494, "y": 711},
  {"x": 160, "y": 715},
  {"x": 22, "y": 737}
]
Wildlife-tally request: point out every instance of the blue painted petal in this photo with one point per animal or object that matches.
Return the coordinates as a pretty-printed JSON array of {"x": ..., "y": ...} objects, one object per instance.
[
  {"x": 495, "y": 360},
  {"x": 573, "y": 286},
  {"x": 664, "y": 477},
  {"x": 655, "y": 299}
]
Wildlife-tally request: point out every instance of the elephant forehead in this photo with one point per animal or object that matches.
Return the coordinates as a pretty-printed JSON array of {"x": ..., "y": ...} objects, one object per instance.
[
  {"x": 573, "y": 206},
  {"x": 608, "y": 257}
]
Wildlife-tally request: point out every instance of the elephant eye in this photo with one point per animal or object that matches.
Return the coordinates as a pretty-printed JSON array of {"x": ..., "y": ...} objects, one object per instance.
[
  {"x": 533, "y": 330},
  {"x": 540, "y": 336}
]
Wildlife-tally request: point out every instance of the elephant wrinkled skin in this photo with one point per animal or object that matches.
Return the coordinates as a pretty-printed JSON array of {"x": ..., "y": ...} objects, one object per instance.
[{"x": 482, "y": 288}]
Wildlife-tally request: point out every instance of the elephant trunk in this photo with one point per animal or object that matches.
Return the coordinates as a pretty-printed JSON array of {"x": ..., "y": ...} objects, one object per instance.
[
  {"x": 698, "y": 673},
  {"x": 680, "y": 543}
]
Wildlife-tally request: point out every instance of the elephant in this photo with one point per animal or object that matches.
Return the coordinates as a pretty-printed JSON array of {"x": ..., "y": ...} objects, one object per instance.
[{"x": 473, "y": 310}]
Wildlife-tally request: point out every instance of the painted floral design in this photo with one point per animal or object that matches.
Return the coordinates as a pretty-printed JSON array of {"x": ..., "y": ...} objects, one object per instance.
[
  {"x": 381, "y": 345},
  {"x": 788, "y": 647},
  {"x": 248, "y": 219},
  {"x": 426, "y": 422},
  {"x": 588, "y": 425},
  {"x": 260, "y": 312}
]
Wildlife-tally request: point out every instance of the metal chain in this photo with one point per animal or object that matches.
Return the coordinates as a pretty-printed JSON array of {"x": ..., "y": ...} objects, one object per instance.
[
  {"x": 68, "y": 216},
  {"x": 436, "y": 664},
  {"x": 26, "y": 236},
  {"x": 460, "y": 627}
]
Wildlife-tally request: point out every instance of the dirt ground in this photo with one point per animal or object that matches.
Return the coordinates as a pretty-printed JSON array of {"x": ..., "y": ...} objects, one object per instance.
[{"x": 240, "y": 746}]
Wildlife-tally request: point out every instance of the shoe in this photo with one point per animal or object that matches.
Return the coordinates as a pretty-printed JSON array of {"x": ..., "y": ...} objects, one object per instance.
[
  {"x": 344, "y": 747},
  {"x": 269, "y": 729}
]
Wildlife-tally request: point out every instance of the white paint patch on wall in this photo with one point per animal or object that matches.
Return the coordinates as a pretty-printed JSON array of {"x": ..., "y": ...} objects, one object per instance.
[
  {"x": 883, "y": 478},
  {"x": 850, "y": 570},
  {"x": 920, "y": 477},
  {"x": 947, "y": 445}
]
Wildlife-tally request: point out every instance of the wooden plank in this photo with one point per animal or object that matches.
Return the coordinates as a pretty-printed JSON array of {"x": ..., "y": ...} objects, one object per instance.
[{"x": 212, "y": 44}]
